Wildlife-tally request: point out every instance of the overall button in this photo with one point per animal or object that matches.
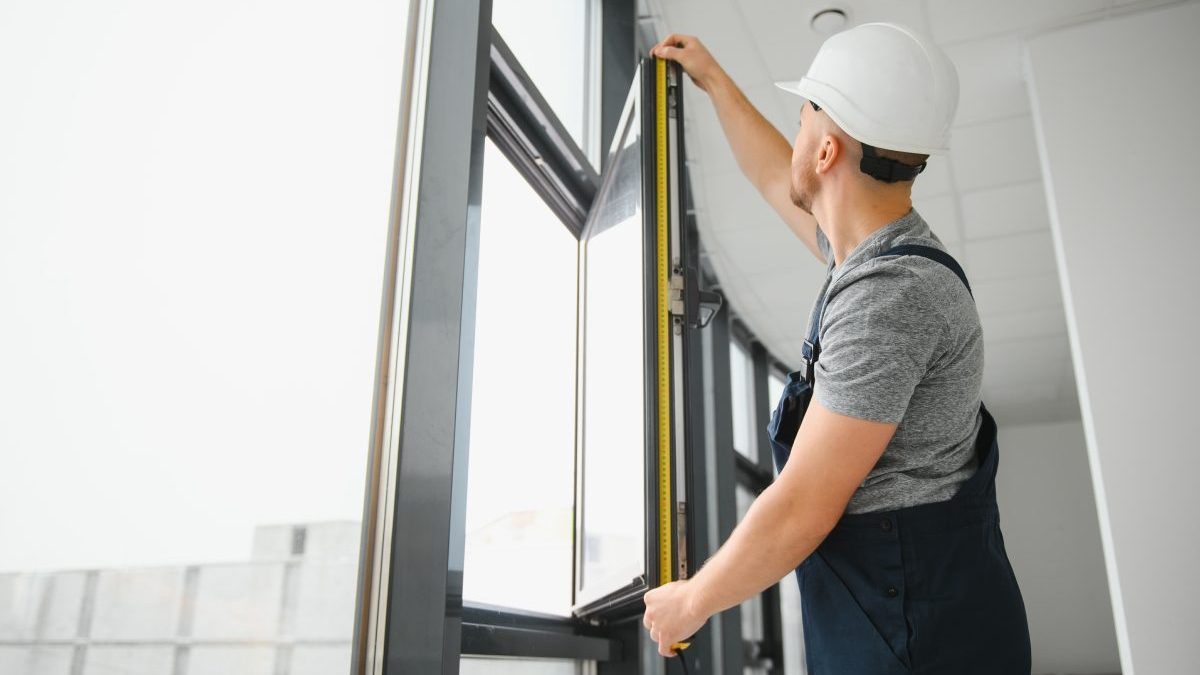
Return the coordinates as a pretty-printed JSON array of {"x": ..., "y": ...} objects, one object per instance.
[
  {"x": 885, "y": 525},
  {"x": 892, "y": 592}
]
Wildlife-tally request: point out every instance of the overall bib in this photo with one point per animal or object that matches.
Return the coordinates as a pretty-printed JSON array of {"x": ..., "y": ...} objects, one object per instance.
[{"x": 926, "y": 589}]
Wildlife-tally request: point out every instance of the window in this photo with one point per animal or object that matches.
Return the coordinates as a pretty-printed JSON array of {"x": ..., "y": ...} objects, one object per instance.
[
  {"x": 741, "y": 377},
  {"x": 509, "y": 666},
  {"x": 614, "y": 366},
  {"x": 557, "y": 60},
  {"x": 792, "y": 625},
  {"x": 521, "y": 469},
  {"x": 753, "y": 611},
  {"x": 192, "y": 241},
  {"x": 775, "y": 385}
]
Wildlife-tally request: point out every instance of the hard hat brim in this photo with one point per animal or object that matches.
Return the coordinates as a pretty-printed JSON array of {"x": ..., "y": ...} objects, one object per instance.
[
  {"x": 812, "y": 91},
  {"x": 791, "y": 87}
]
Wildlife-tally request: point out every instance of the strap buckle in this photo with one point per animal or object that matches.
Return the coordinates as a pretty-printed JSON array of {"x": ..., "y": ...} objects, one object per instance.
[{"x": 811, "y": 351}]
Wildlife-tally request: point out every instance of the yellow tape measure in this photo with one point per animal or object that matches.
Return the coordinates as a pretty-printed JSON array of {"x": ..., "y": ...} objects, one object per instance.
[
  {"x": 665, "y": 511},
  {"x": 664, "y": 345}
]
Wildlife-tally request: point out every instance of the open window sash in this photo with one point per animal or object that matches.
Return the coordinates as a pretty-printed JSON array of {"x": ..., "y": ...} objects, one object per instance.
[{"x": 639, "y": 309}]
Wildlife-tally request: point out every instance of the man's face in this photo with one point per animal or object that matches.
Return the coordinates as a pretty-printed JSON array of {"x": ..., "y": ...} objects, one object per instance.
[{"x": 804, "y": 176}]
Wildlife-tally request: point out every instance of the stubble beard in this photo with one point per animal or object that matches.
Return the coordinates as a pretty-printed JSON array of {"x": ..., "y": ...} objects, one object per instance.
[{"x": 801, "y": 196}]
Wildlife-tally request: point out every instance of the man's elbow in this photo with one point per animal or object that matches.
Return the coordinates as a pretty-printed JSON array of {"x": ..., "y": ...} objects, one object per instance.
[
  {"x": 816, "y": 524},
  {"x": 808, "y": 525}
]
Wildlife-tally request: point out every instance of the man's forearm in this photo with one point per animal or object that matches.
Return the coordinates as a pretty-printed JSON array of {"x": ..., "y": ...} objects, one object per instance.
[
  {"x": 770, "y": 542},
  {"x": 760, "y": 149}
]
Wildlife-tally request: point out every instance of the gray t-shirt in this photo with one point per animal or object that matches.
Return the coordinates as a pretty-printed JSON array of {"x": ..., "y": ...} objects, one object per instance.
[{"x": 901, "y": 342}]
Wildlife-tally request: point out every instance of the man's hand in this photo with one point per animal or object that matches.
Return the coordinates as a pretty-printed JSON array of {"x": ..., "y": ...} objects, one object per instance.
[
  {"x": 671, "y": 615},
  {"x": 688, "y": 52}
]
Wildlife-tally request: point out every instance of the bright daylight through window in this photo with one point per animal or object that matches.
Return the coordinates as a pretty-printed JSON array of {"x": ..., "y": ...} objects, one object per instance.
[
  {"x": 520, "y": 482},
  {"x": 555, "y": 60},
  {"x": 192, "y": 237},
  {"x": 741, "y": 375},
  {"x": 613, "y": 512}
]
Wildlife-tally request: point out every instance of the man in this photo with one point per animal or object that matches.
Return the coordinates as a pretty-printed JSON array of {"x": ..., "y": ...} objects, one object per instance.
[{"x": 885, "y": 498}]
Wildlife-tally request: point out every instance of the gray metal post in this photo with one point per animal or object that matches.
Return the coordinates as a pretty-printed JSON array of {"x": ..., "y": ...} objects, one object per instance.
[
  {"x": 772, "y": 616},
  {"x": 618, "y": 62},
  {"x": 724, "y": 471},
  {"x": 409, "y": 612},
  {"x": 702, "y": 656}
]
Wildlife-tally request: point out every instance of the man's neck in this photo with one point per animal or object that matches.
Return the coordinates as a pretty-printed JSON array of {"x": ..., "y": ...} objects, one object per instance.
[{"x": 849, "y": 221}]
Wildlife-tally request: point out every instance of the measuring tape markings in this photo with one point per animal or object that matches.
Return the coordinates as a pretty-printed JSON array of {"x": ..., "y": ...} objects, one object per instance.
[{"x": 664, "y": 395}]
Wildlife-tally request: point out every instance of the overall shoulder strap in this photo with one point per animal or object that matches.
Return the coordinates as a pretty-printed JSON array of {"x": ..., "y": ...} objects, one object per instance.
[
  {"x": 934, "y": 254},
  {"x": 811, "y": 349},
  {"x": 938, "y": 255}
]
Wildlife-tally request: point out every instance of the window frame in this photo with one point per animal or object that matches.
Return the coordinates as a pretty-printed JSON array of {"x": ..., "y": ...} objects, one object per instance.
[
  {"x": 527, "y": 131},
  {"x": 755, "y": 475},
  {"x": 529, "y": 134},
  {"x": 417, "y": 619}
]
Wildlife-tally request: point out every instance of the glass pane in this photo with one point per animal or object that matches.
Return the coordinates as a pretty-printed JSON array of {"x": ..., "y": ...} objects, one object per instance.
[
  {"x": 192, "y": 235},
  {"x": 774, "y": 391},
  {"x": 792, "y": 626},
  {"x": 614, "y": 375},
  {"x": 740, "y": 399},
  {"x": 518, "y": 550},
  {"x": 550, "y": 39},
  {"x": 752, "y": 608},
  {"x": 753, "y": 628},
  {"x": 775, "y": 386},
  {"x": 470, "y": 665}
]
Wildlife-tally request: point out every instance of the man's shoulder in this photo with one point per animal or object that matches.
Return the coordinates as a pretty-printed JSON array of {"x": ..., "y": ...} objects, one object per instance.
[{"x": 913, "y": 277}]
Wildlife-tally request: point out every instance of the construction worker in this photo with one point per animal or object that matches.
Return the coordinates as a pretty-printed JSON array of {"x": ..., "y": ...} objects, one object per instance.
[{"x": 885, "y": 500}]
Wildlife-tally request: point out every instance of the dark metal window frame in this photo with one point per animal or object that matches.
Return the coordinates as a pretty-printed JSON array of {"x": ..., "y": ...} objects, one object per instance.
[
  {"x": 527, "y": 131},
  {"x": 411, "y": 617}
]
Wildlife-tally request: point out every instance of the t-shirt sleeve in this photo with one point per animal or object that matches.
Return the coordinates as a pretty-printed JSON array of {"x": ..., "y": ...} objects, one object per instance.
[{"x": 878, "y": 338}]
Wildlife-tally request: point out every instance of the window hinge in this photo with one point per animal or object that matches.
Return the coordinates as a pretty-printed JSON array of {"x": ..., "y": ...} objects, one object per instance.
[
  {"x": 672, "y": 93},
  {"x": 676, "y": 304}
]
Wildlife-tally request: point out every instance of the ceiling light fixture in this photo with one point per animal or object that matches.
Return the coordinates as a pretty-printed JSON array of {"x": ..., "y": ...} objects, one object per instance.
[{"x": 828, "y": 21}]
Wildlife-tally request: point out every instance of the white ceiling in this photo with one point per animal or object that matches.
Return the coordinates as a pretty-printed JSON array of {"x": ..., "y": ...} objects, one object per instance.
[{"x": 985, "y": 200}]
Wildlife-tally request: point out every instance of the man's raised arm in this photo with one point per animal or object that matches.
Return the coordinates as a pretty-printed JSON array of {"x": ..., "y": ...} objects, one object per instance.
[{"x": 763, "y": 153}]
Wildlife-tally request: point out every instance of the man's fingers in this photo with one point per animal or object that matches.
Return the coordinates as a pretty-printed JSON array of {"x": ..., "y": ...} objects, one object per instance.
[{"x": 668, "y": 46}]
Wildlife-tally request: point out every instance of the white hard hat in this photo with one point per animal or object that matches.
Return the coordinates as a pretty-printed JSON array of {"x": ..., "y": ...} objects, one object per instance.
[{"x": 885, "y": 85}]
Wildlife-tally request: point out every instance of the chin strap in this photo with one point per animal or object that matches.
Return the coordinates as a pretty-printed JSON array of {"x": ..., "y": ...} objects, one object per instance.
[{"x": 887, "y": 170}]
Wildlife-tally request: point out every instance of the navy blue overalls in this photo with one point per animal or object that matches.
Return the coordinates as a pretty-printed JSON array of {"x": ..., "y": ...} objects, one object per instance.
[{"x": 926, "y": 589}]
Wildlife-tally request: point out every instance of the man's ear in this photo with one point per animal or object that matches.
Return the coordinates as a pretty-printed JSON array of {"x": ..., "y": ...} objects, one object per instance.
[{"x": 830, "y": 150}]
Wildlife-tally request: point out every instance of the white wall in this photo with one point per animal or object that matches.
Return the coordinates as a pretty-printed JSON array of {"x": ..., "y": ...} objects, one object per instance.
[
  {"x": 1048, "y": 517},
  {"x": 1115, "y": 104}
]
